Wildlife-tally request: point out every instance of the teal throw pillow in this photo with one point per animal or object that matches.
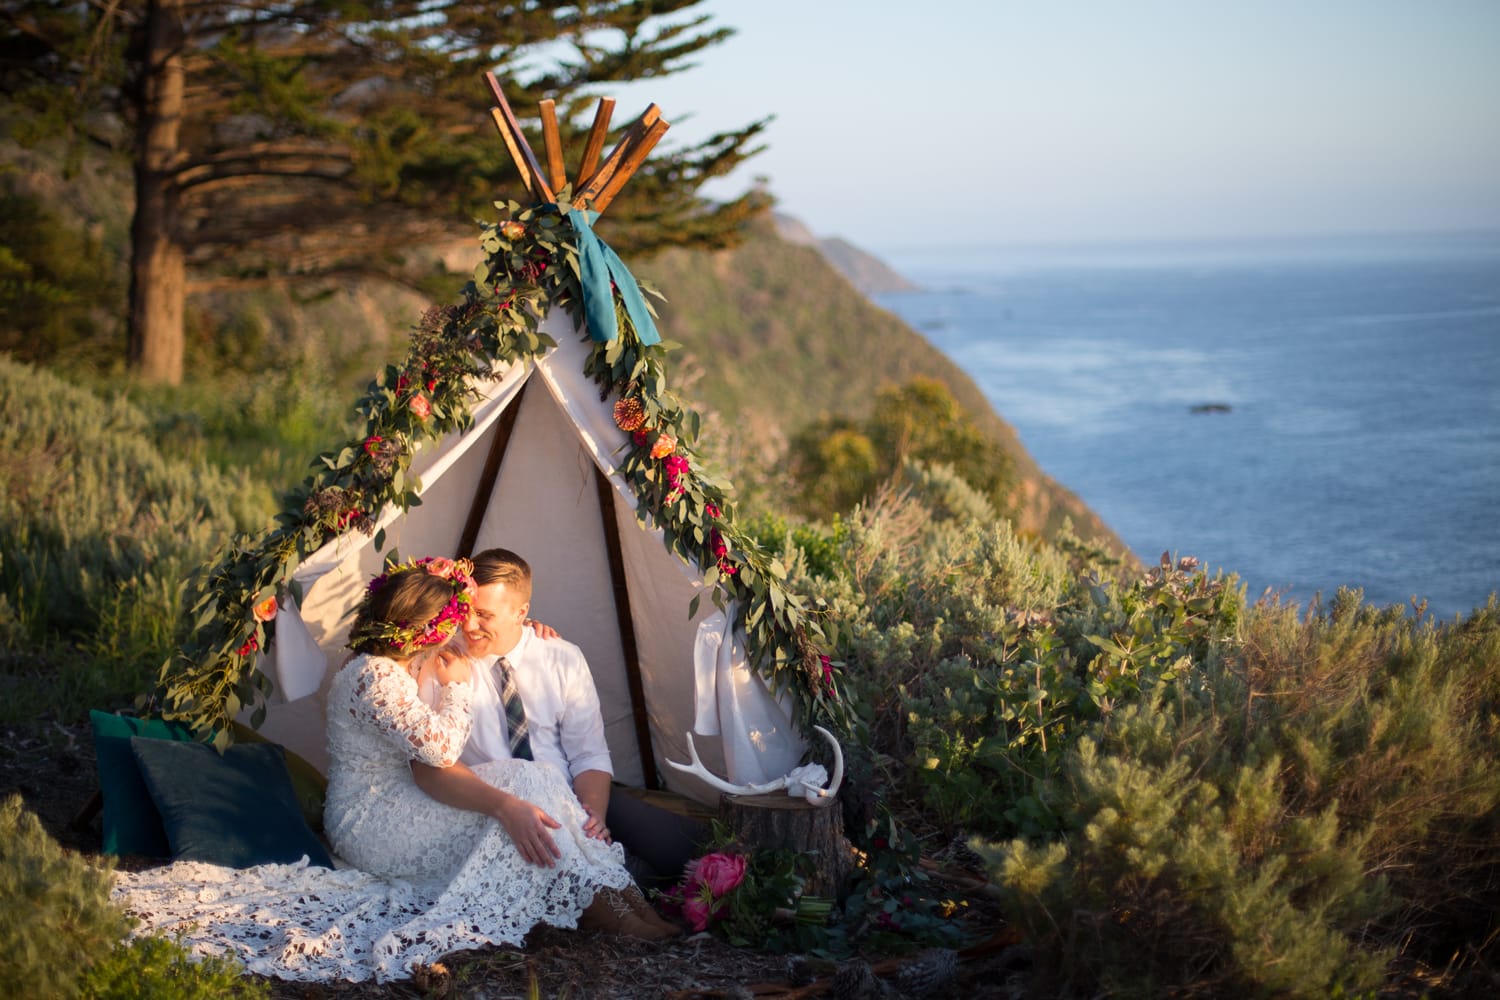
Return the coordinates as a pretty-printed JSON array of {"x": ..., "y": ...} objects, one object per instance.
[
  {"x": 237, "y": 809},
  {"x": 131, "y": 822}
]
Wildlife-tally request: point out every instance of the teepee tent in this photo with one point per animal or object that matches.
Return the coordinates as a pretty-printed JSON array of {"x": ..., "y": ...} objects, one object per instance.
[
  {"x": 535, "y": 474},
  {"x": 532, "y": 416}
]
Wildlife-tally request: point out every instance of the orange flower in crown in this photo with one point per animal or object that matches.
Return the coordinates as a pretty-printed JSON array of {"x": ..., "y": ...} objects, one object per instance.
[
  {"x": 512, "y": 230},
  {"x": 266, "y": 610}
]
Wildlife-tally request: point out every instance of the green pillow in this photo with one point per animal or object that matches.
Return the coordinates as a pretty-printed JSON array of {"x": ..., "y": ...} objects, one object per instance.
[
  {"x": 309, "y": 784},
  {"x": 131, "y": 822},
  {"x": 237, "y": 809}
]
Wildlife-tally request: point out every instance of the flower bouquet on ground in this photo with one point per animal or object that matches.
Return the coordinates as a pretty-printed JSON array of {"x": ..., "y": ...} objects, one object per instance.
[{"x": 751, "y": 899}]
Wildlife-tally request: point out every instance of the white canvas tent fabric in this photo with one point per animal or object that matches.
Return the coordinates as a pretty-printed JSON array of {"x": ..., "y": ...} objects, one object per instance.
[{"x": 545, "y": 505}]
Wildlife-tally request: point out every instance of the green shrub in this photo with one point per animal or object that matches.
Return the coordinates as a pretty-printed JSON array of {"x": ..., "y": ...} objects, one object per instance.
[
  {"x": 62, "y": 937},
  {"x": 55, "y": 915},
  {"x": 98, "y": 534},
  {"x": 1283, "y": 819},
  {"x": 164, "y": 970}
]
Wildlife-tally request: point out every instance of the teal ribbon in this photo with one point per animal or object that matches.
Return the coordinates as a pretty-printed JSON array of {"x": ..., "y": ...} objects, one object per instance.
[{"x": 598, "y": 265}]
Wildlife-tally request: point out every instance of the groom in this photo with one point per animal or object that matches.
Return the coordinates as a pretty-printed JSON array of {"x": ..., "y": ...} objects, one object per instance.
[{"x": 551, "y": 715}]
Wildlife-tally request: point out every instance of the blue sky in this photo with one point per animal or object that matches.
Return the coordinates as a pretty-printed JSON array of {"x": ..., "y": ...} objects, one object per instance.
[{"x": 999, "y": 121}]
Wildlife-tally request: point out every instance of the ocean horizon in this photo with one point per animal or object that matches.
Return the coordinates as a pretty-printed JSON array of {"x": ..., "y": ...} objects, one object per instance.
[{"x": 1306, "y": 413}]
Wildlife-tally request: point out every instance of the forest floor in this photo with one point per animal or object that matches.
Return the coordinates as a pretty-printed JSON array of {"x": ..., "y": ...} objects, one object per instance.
[{"x": 53, "y": 771}]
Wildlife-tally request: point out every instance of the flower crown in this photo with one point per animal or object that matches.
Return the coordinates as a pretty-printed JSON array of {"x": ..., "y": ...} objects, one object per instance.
[{"x": 410, "y": 636}]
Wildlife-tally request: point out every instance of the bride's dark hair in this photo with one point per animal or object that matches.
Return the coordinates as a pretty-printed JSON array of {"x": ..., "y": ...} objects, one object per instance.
[{"x": 385, "y": 620}]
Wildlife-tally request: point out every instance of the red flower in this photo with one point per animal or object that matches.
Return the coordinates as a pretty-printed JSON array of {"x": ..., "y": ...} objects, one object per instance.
[
  {"x": 640, "y": 438},
  {"x": 348, "y": 517},
  {"x": 372, "y": 443},
  {"x": 250, "y": 646},
  {"x": 431, "y": 384},
  {"x": 712, "y": 510},
  {"x": 401, "y": 383}
]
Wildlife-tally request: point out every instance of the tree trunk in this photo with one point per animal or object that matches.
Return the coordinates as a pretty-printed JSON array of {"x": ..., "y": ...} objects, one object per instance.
[
  {"x": 780, "y": 820},
  {"x": 158, "y": 272}
]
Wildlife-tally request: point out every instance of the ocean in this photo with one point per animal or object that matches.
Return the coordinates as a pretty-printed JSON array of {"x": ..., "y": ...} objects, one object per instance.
[{"x": 1306, "y": 414}]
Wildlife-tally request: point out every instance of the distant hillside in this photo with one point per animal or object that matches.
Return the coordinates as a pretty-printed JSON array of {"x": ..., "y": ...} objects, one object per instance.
[
  {"x": 866, "y": 272},
  {"x": 773, "y": 338}
]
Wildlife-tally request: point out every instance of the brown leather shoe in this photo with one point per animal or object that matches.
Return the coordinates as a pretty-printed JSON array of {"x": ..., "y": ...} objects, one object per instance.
[{"x": 625, "y": 911}]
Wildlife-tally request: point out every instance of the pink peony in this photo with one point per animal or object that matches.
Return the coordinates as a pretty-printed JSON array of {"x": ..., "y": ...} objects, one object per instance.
[
  {"x": 720, "y": 873},
  {"x": 420, "y": 406},
  {"x": 696, "y": 911}
]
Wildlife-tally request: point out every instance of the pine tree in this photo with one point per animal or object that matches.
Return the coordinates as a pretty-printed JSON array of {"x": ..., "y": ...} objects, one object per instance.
[{"x": 313, "y": 141}]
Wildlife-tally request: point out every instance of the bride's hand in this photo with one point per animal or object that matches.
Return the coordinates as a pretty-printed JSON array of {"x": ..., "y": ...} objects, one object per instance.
[
  {"x": 451, "y": 668},
  {"x": 528, "y": 825}
]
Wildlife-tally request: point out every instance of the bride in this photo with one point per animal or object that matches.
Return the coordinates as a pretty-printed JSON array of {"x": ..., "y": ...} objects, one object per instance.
[{"x": 422, "y": 879}]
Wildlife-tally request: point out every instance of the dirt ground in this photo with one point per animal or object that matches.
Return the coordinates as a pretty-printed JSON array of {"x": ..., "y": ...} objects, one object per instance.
[{"x": 53, "y": 771}]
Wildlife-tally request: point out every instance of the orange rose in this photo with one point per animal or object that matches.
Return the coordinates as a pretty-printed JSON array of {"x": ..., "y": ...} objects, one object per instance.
[
  {"x": 664, "y": 446},
  {"x": 512, "y": 230},
  {"x": 266, "y": 610}
]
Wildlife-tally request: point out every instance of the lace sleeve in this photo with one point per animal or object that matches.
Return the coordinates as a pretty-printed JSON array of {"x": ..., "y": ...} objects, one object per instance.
[{"x": 385, "y": 697}]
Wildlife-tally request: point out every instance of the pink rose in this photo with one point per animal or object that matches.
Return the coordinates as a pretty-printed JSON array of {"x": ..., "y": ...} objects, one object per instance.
[
  {"x": 420, "y": 406},
  {"x": 438, "y": 566},
  {"x": 695, "y": 910},
  {"x": 266, "y": 610},
  {"x": 721, "y": 873}
]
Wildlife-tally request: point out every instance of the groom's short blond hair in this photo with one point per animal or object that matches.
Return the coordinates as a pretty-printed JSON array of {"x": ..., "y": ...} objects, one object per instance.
[{"x": 503, "y": 566}]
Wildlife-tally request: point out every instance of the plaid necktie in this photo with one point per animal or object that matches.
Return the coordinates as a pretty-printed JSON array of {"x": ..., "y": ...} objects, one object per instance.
[{"x": 515, "y": 712}]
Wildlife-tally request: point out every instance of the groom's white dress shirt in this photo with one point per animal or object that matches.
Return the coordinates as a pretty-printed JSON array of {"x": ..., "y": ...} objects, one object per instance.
[{"x": 562, "y": 708}]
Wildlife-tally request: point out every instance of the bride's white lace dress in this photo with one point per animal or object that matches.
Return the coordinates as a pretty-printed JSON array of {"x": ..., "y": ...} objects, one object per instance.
[{"x": 426, "y": 879}]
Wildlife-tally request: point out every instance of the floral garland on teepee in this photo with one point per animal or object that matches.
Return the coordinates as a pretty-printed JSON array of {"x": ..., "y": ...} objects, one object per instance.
[{"x": 531, "y": 265}]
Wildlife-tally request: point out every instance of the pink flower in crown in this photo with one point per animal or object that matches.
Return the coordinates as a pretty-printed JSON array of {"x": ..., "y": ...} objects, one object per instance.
[
  {"x": 438, "y": 566},
  {"x": 721, "y": 874},
  {"x": 420, "y": 406}
]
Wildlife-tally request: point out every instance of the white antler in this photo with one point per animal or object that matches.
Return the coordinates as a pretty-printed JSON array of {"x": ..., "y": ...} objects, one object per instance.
[{"x": 801, "y": 780}]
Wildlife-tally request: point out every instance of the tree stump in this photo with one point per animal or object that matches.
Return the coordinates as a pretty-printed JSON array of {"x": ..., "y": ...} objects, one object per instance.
[{"x": 780, "y": 820}]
